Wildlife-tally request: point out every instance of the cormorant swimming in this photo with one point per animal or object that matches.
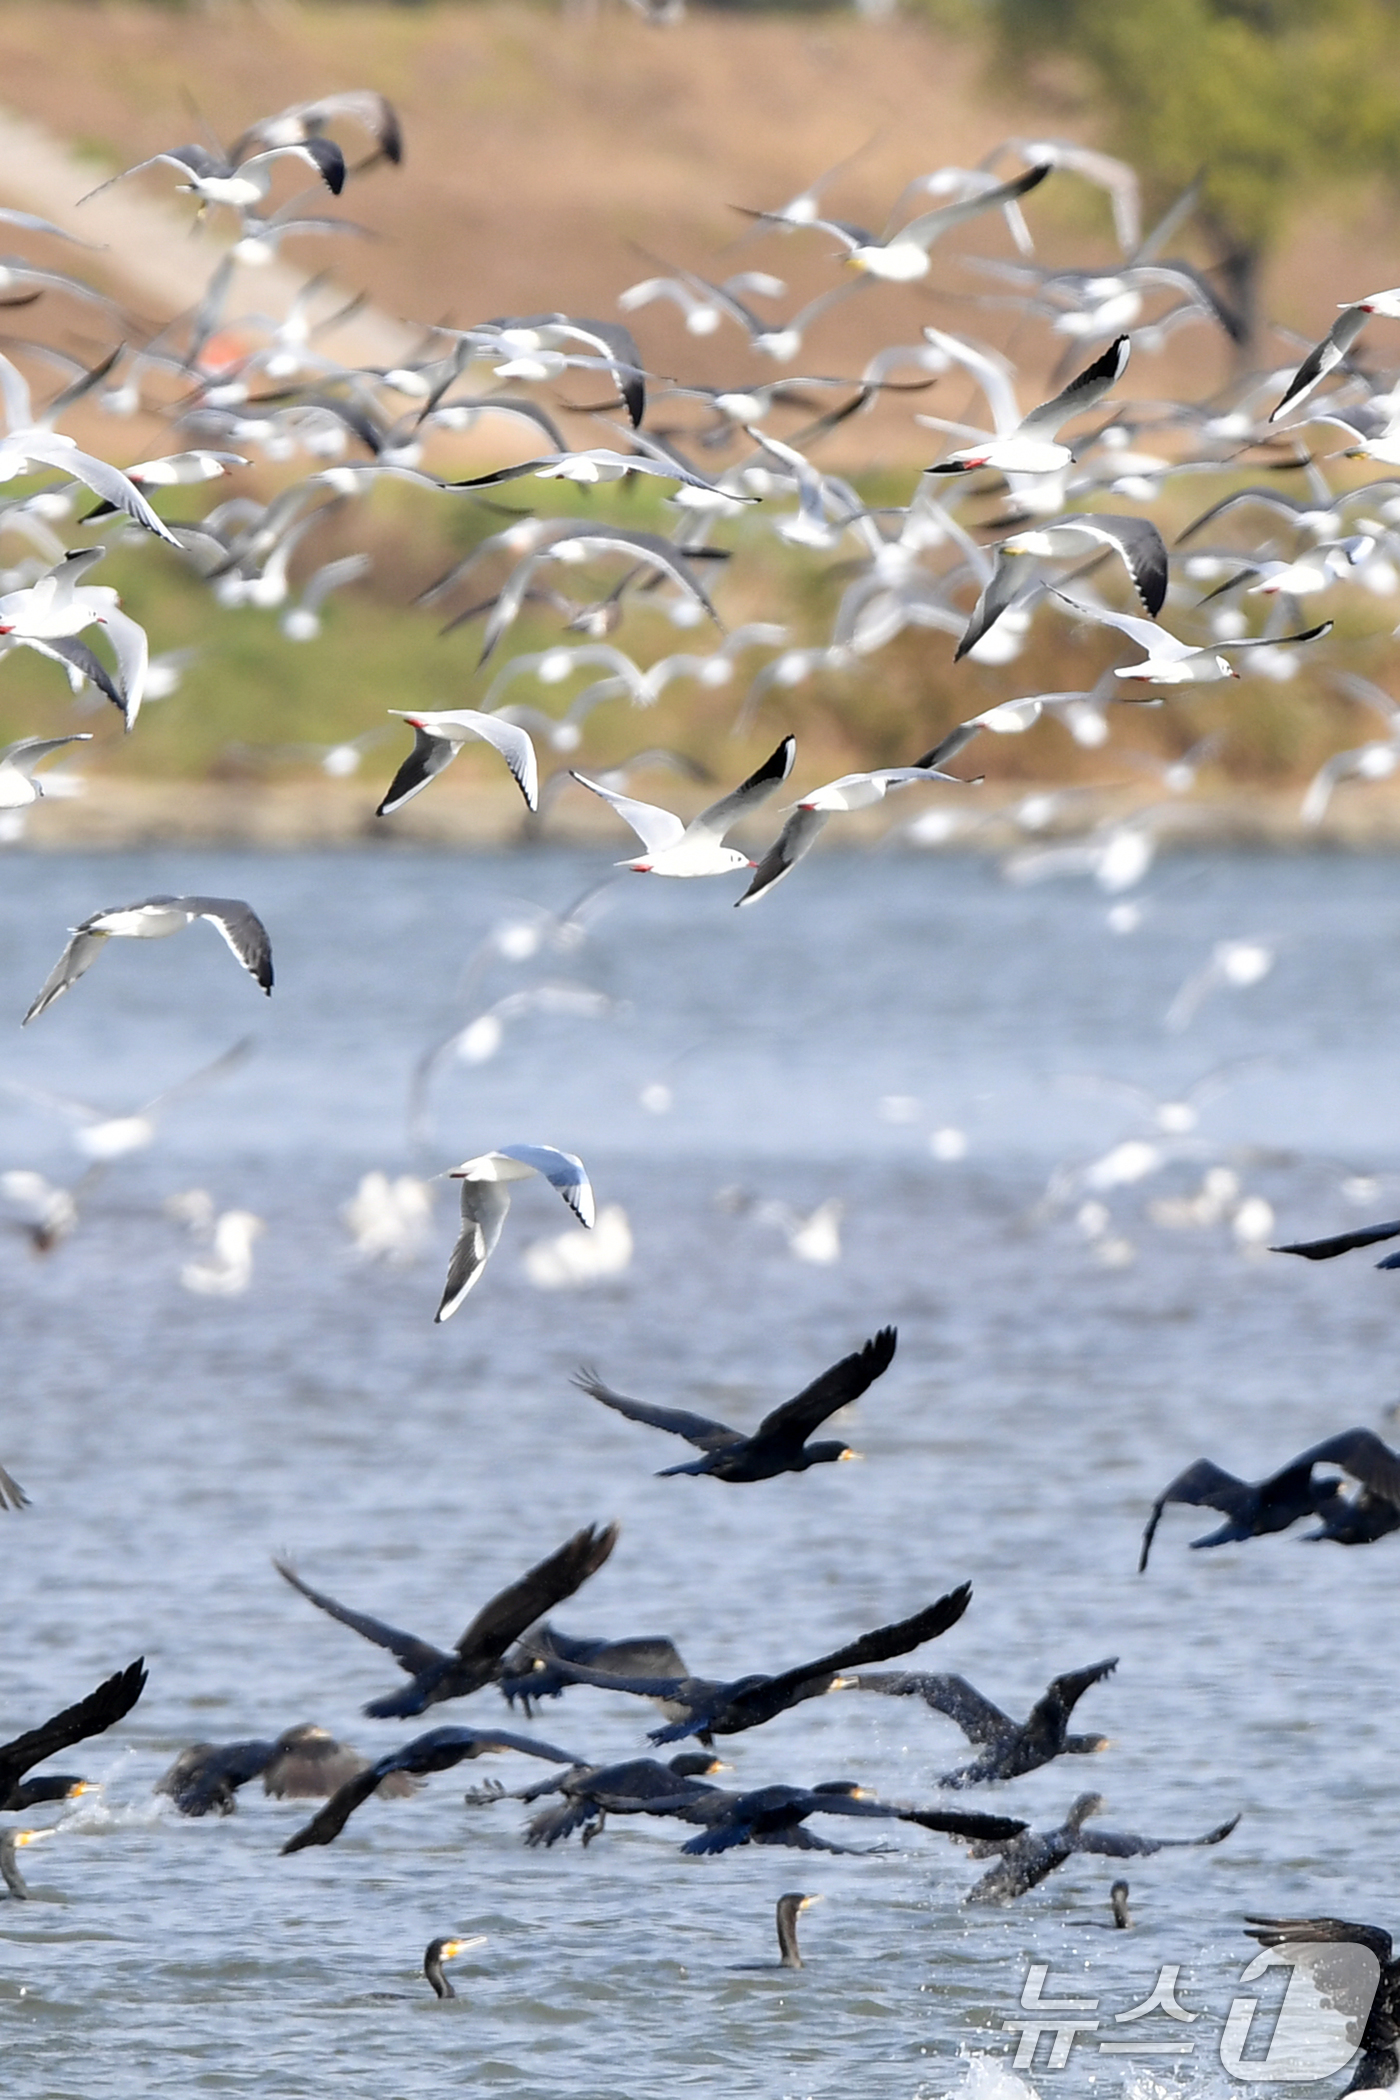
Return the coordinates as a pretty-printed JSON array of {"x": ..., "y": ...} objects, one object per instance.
[
  {"x": 1257, "y": 1508},
  {"x": 436, "y": 1751},
  {"x": 440, "y": 1951},
  {"x": 709, "y": 1708},
  {"x": 1118, "y": 1897},
  {"x": 477, "y": 1658},
  {"x": 1008, "y": 1748},
  {"x": 9, "y": 1868},
  {"x": 779, "y": 1444},
  {"x": 1026, "y": 1860},
  {"x": 788, "y": 1908},
  {"x": 1380, "y": 2036}
]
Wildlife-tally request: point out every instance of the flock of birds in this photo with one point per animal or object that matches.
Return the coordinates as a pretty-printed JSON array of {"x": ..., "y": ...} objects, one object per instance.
[{"x": 928, "y": 564}]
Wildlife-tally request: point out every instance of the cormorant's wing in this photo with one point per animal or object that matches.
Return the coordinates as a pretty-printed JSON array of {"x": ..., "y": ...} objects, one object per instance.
[
  {"x": 979, "y": 1720},
  {"x": 408, "y": 1651},
  {"x": 1360, "y": 1453},
  {"x": 436, "y": 1751},
  {"x": 1285, "y": 1932},
  {"x": 12, "y": 1495},
  {"x": 696, "y": 1429},
  {"x": 1202, "y": 1485},
  {"x": 1341, "y": 1242},
  {"x": 963, "y": 1823},
  {"x": 1118, "y": 1845},
  {"x": 508, "y": 1614},
  {"x": 878, "y": 1646},
  {"x": 1063, "y": 1693},
  {"x": 795, "y": 1420},
  {"x": 100, "y": 1711}
]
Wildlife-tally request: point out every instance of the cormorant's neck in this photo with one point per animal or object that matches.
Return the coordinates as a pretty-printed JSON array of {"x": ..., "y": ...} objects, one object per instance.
[
  {"x": 433, "y": 1971},
  {"x": 787, "y": 1936}
]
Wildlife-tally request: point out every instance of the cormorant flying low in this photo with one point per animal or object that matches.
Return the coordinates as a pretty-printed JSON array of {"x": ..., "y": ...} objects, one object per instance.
[
  {"x": 305, "y": 1763},
  {"x": 437, "y": 1751},
  {"x": 1380, "y": 2036},
  {"x": 100, "y": 1711},
  {"x": 1257, "y": 1508},
  {"x": 1009, "y": 1748},
  {"x": 528, "y": 1672},
  {"x": 1026, "y": 1860}
]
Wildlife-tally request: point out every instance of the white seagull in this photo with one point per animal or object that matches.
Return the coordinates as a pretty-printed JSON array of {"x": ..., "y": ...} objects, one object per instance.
[
  {"x": 151, "y": 919},
  {"x": 1170, "y": 661},
  {"x": 486, "y": 1199},
  {"x": 902, "y": 255},
  {"x": 217, "y": 178},
  {"x": 1324, "y": 357},
  {"x": 697, "y": 848},
  {"x": 810, "y": 815},
  {"x": 60, "y": 606},
  {"x": 1028, "y": 446},
  {"x": 28, "y": 447},
  {"x": 18, "y": 786},
  {"x": 437, "y": 738},
  {"x": 1136, "y": 541}
]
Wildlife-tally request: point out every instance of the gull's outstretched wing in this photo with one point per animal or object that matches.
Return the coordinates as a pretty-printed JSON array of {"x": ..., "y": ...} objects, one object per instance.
[
  {"x": 1324, "y": 357},
  {"x": 798, "y": 836},
  {"x": 656, "y": 828},
  {"x": 722, "y": 816},
  {"x": 1086, "y": 388},
  {"x": 844, "y": 1382},
  {"x": 80, "y": 954},
  {"x": 696, "y": 1429},
  {"x": 242, "y": 929},
  {"x": 518, "y": 1606},
  {"x": 100, "y": 1711},
  {"x": 436, "y": 743},
  {"x": 564, "y": 1171},
  {"x": 408, "y": 1651},
  {"x": 484, "y": 1207},
  {"x": 931, "y": 225}
]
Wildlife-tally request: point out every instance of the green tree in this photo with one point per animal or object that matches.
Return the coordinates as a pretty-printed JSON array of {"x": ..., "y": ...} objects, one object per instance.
[{"x": 1264, "y": 100}]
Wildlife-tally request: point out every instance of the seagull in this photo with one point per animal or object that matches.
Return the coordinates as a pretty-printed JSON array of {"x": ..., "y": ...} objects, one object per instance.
[
  {"x": 389, "y": 1220},
  {"x": 1136, "y": 541},
  {"x": 28, "y": 447},
  {"x": 479, "y": 1656},
  {"x": 674, "y": 848},
  {"x": 811, "y": 814},
  {"x": 151, "y": 919},
  {"x": 308, "y": 120},
  {"x": 1170, "y": 661},
  {"x": 1007, "y": 1748},
  {"x": 230, "y": 1272},
  {"x": 568, "y": 1263},
  {"x": 486, "y": 1199},
  {"x": 901, "y": 256},
  {"x": 58, "y": 607},
  {"x": 1027, "y": 446},
  {"x": 1255, "y": 1509},
  {"x": 302, "y": 622},
  {"x": 1325, "y": 356},
  {"x": 779, "y": 1444},
  {"x": 437, "y": 738},
  {"x": 18, "y": 786},
  {"x": 218, "y": 178},
  {"x": 103, "y": 1137}
]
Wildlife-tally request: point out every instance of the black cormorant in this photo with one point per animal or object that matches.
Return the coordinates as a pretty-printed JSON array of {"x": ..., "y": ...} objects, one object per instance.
[
  {"x": 1026, "y": 1860},
  {"x": 9, "y": 1867},
  {"x": 594, "y": 1792},
  {"x": 779, "y": 1444},
  {"x": 440, "y": 1951},
  {"x": 788, "y": 1908},
  {"x": 1255, "y": 1508},
  {"x": 775, "y": 1815},
  {"x": 100, "y": 1711},
  {"x": 709, "y": 1709},
  {"x": 1343, "y": 1243},
  {"x": 1380, "y": 2036},
  {"x": 436, "y": 1751},
  {"x": 43, "y": 1788},
  {"x": 303, "y": 1764},
  {"x": 1008, "y": 1748},
  {"x": 1118, "y": 1897},
  {"x": 528, "y": 1673},
  {"x": 477, "y": 1658}
]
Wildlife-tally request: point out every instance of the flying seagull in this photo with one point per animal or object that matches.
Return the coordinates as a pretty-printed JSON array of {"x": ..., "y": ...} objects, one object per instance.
[
  {"x": 439, "y": 1674},
  {"x": 486, "y": 1199},
  {"x": 811, "y": 814},
  {"x": 902, "y": 255},
  {"x": 674, "y": 848},
  {"x": 1170, "y": 661},
  {"x": 1324, "y": 357},
  {"x": 18, "y": 786},
  {"x": 437, "y": 738},
  {"x": 151, "y": 919},
  {"x": 1136, "y": 541},
  {"x": 1028, "y": 447},
  {"x": 779, "y": 1444}
]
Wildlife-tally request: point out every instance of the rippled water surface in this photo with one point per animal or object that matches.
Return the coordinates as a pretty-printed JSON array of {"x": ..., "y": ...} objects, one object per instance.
[{"x": 1055, "y": 1369}]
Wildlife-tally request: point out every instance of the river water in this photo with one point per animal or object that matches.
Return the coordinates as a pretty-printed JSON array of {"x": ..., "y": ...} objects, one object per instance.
[{"x": 1059, "y": 1361}]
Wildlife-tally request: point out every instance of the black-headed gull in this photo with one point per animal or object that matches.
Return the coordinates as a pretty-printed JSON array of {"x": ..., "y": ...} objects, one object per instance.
[
  {"x": 151, "y": 919},
  {"x": 437, "y": 738},
  {"x": 1168, "y": 660},
  {"x": 217, "y": 178},
  {"x": 1324, "y": 357},
  {"x": 308, "y": 120},
  {"x": 902, "y": 255},
  {"x": 1136, "y": 541},
  {"x": 28, "y": 447},
  {"x": 1028, "y": 446},
  {"x": 810, "y": 815},
  {"x": 18, "y": 786},
  {"x": 486, "y": 1199},
  {"x": 60, "y": 606},
  {"x": 697, "y": 848}
]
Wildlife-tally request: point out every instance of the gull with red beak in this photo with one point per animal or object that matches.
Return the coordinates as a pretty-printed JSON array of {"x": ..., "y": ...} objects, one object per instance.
[
  {"x": 697, "y": 848},
  {"x": 486, "y": 1199},
  {"x": 56, "y": 610},
  {"x": 1170, "y": 661},
  {"x": 437, "y": 738}
]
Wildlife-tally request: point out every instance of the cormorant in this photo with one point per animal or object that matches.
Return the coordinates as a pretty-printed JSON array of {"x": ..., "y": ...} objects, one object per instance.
[
  {"x": 477, "y": 1658},
  {"x": 100, "y": 1711},
  {"x": 440, "y": 1951},
  {"x": 1026, "y": 1860},
  {"x": 1118, "y": 1897},
  {"x": 436, "y": 1751},
  {"x": 47, "y": 1786},
  {"x": 9, "y": 1869},
  {"x": 1380, "y": 2036},
  {"x": 779, "y": 1444},
  {"x": 1009, "y": 1748},
  {"x": 1343, "y": 1243},
  {"x": 710, "y": 1709},
  {"x": 788, "y": 1907},
  {"x": 1256, "y": 1508},
  {"x": 594, "y": 1792},
  {"x": 305, "y": 1763},
  {"x": 775, "y": 1815},
  {"x": 528, "y": 1674}
]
